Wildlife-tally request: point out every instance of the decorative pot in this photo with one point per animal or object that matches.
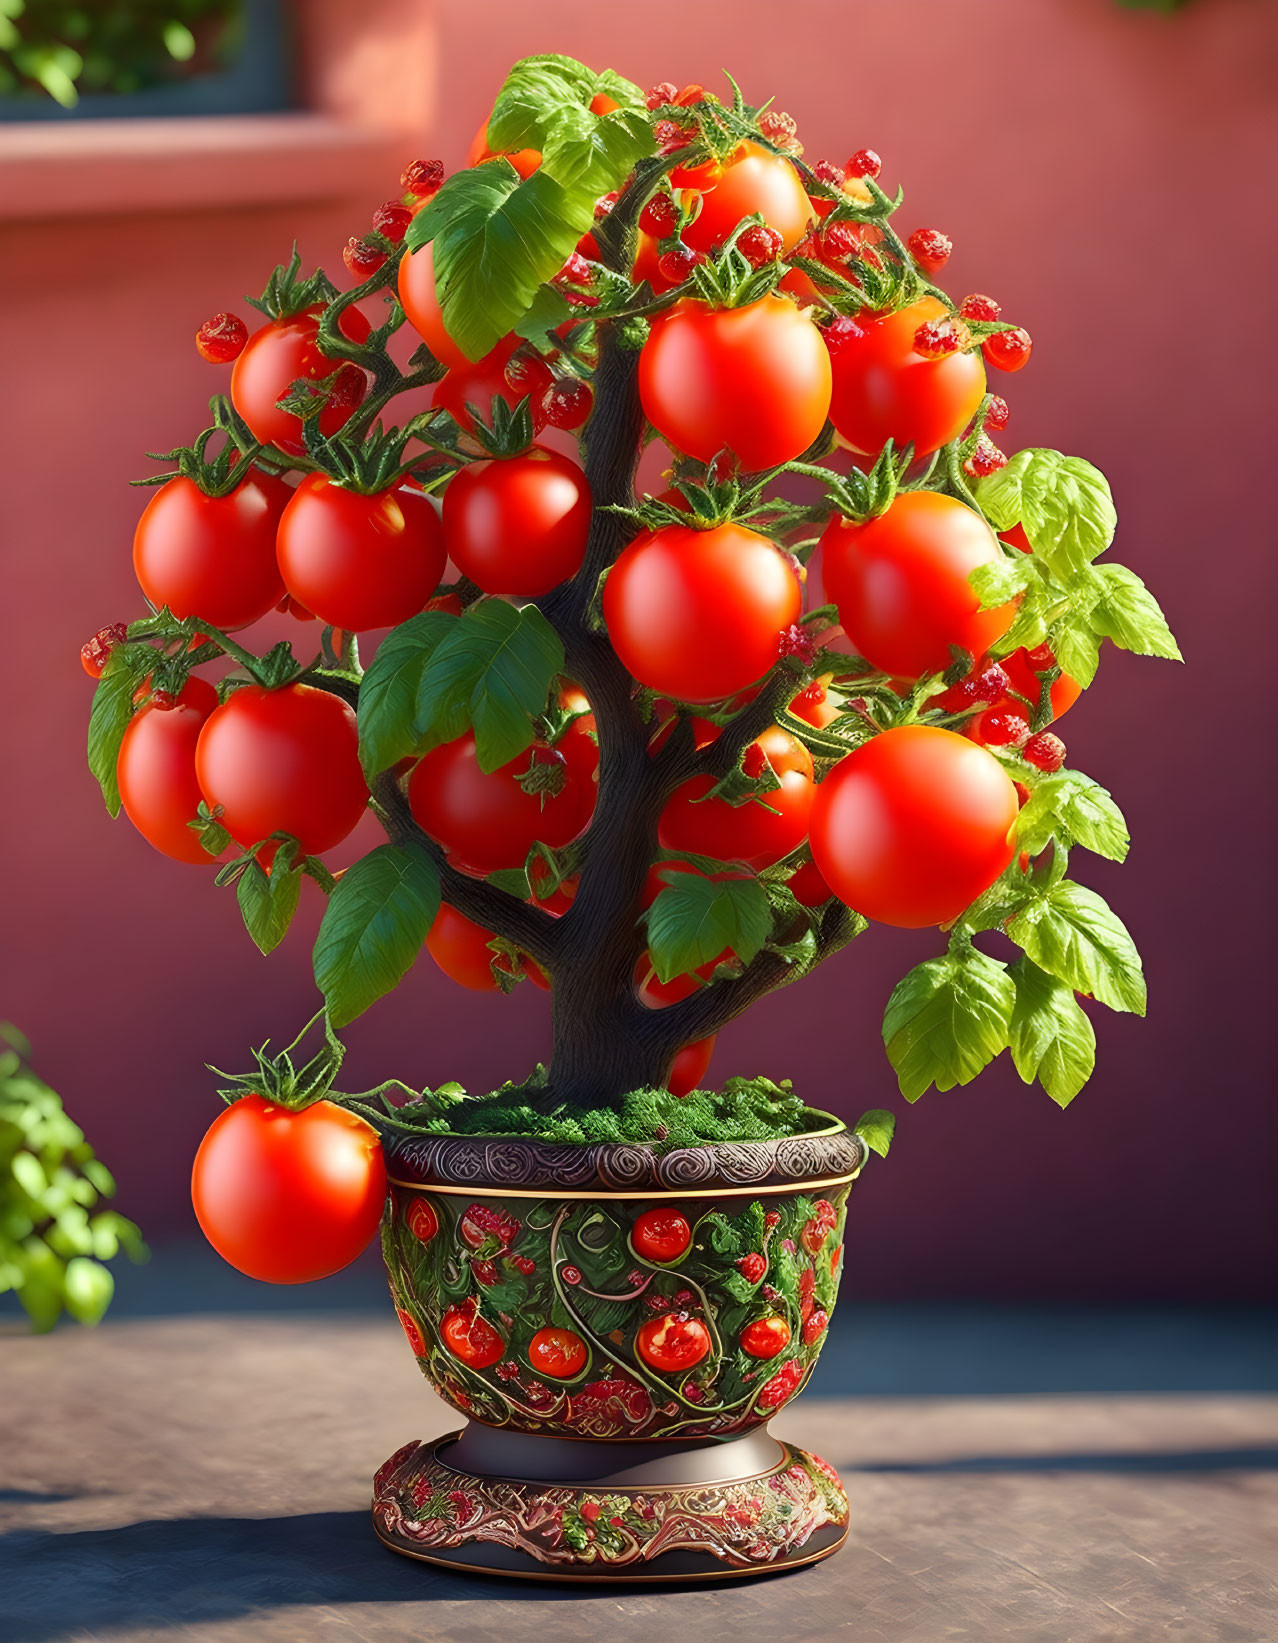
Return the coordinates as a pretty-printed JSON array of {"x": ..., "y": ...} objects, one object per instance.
[{"x": 619, "y": 1325}]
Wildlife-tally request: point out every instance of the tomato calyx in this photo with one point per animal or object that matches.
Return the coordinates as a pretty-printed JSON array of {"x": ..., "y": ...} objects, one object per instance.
[
  {"x": 276, "y": 1079},
  {"x": 216, "y": 475},
  {"x": 370, "y": 465},
  {"x": 286, "y": 293}
]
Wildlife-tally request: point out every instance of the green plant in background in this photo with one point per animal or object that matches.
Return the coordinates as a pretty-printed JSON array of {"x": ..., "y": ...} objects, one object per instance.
[
  {"x": 62, "y": 50},
  {"x": 52, "y": 1245}
]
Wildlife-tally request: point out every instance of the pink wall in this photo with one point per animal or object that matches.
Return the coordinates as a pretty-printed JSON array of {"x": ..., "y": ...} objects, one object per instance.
[{"x": 1103, "y": 173}]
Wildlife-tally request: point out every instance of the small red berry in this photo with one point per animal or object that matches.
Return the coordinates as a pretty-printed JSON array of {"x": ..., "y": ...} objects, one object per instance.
[
  {"x": 678, "y": 262},
  {"x": 1041, "y": 658},
  {"x": 659, "y": 216},
  {"x": 840, "y": 332},
  {"x": 814, "y": 1325},
  {"x": 576, "y": 271},
  {"x": 986, "y": 458},
  {"x": 94, "y": 652},
  {"x": 527, "y": 374},
  {"x": 772, "y": 1219},
  {"x": 839, "y": 242},
  {"x": 864, "y": 163},
  {"x": 1007, "y": 350},
  {"x": 507, "y": 1371},
  {"x": 997, "y": 414},
  {"x": 572, "y": 1275},
  {"x": 931, "y": 248},
  {"x": 659, "y": 95},
  {"x": 1002, "y": 729},
  {"x": 830, "y": 173},
  {"x": 991, "y": 684},
  {"x": 752, "y": 1267},
  {"x": 670, "y": 135},
  {"x": 982, "y": 309},
  {"x": 796, "y": 640},
  {"x": 1044, "y": 751},
  {"x": 567, "y": 403},
  {"x": 221, "y": 339},
  {"x": 936, "y": 338},
  {"x": 362, "y": 257},
  {"x": 605, "y": 203},
  {"x": 692, "y": 94},
  {"x": 392, "y": 220},
  {"x": 780, "y": 130},
  {"x": 164, "y": 701},
  {"x": 422, "y": 178},
  {"x": 525, "y": 1265},
  {"x": 485, "y": 1272},
  {"x": 759, "y": 245}
]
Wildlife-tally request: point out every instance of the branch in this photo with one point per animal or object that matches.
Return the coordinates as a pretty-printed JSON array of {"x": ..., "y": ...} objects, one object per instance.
[{"x": 720, "y": 758}]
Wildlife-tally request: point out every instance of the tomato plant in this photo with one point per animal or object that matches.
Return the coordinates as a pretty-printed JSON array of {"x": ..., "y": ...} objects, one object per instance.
[
  {"x": 212, "y": 556},
  {"x": 757, "y": 833},
  {"x": 276, "y": 356},
  {"x": 155, "y": 770},
  {"x": 752, "y": 179}
]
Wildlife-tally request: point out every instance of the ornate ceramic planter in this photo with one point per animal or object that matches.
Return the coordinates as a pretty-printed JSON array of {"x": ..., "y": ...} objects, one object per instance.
[{"x": 619, "y": 1326}]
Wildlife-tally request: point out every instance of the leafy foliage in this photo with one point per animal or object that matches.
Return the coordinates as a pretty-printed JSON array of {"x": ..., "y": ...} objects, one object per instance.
[
  {"x": 947, "y": 1020},
  {"x": 695, "y": 919},
  {"x": 374, "y": 927}
]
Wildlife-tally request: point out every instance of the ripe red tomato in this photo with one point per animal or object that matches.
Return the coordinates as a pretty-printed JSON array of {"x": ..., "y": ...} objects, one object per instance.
[
  {"x": 460, "y": 947},
  {"x": 660, "y": 1234},
  {"x": 360, "y": 561},
  {"x": 757, "y": 833},
  {"x": 751, "y": 179},
  {"x": 558, "y": 1353},
  {"x": 755, "y": 380},
  {"x": 672, "y": 1343},
  {"x": 478, "y": 384},
  {"x": 421, "y": 306},
  {"x": 288, "y": 1196},
  {"x": 518, "y": 525},
  {"x": 690, "y": 1066},
  {"x": 486, "y": 822},
  {"x": 765, "y": 1337},
  {"x": 283, "y": 761},
  {"x": 275, "y": 356},
  {"x": 422, "y": 1221},
  {"x": 884, "y": 390},
  {"x": 807, "y": 886},
  {"x": 470, "y": 1337},
  {"x": 915, "y": 824},
  {"x": 655, "y": 994},
  {"x": 155, "y": 769},
  {"x": 900, "y": 582},
  {"x": 212, "y": 556},
  {"x": 697, "y": 615}
]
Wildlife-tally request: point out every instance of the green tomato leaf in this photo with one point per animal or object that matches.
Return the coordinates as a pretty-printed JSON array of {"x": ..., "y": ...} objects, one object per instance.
[
  {"x": 694, "y": 919},
  {"x": 1002, "y": 579},
  {"x": 876, "y": 1128},
  {"x": 1073, "y": 807},
  {"x": 544, "y": 93},
  {"x": 1127, "y": 612},
  {"x": 947, "y": 1020},
  {"x": 1051, "y": 1038},
  {"x": 88, "y": 1288},
  {"x": 492, "y": 672},
  {"x": 1076, "y": 647},
  {"x": 374, "y": 927},
  {"x": 1063, "y": 502},
  {"x": 388, "y": 724},
  {"x": 126, "y": 667},
  {"x": 269, "y": 900},
  {"x": 1071, "y": 932}
]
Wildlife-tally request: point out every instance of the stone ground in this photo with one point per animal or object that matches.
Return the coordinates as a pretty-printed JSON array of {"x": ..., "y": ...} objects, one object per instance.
[{"x": 206, "y": 1478}]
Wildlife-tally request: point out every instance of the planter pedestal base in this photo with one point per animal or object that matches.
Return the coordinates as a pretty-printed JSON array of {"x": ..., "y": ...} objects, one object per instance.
[{"x": 545, "y": 1508}]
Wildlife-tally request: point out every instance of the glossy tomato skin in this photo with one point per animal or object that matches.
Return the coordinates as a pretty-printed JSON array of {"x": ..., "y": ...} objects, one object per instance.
[
  {"x": 478, "y": 384},
  {"x": 285, "y": 761},
  {"x": 751, "y": 179},
  {"x": 559, "y": 1353},
  {"x": 518, "y": 525},
  {"x": 470, "y": 1337},
  {"x": 155, "y": 770},
  {"x": 212, "y": 556},
  {"x": 661, "y": 1235},
  {"x": 765, "y": 1337},
  {"x": 274, "y": 357},
  {"x": 288, "y": 1196},
  {"x": 486, "y": 821},
  {"x": 884, "y": 390},
  {"x": 460, "y": 947},
  {"x": 900, "y": 582},
  {"x": 359, "y": 561},
  {"x": 690, "y": 1066},
  {"x": 671, "y": 1342},
  {"x": 754, "y": 380},
  {"x": 421, "y": 306},
  {"x": 915, "y": 824},
  {"x": 757, "y": 833},
  {"x": 698, "y": 615}
]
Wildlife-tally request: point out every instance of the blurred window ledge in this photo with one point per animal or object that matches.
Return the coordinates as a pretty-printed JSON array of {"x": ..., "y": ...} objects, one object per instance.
[{"x": 117, "y": 167}]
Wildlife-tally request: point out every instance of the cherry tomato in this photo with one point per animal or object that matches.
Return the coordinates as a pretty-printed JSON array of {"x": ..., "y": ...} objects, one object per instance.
[
  {"x": 756, "y": 833},
  {"x": 900, "y": 582},
  {"x": 807, "y": 886},
  {"x": 518, "y": 525},
  {"x": 421, "y": 306},
  {"x": 660, "y": 1234},
  {"x": 765, "y": 1337},
  {"x": 672, "y": 1343},
  {"x": 155, "y": 769},
  {"x": 275, "y": 357},
  {"x": 460, "y": 947},
  {"x": 884, "y": 390},
  {"x": 422, "y": 1221},
  {"x": 212, "y": 556},
  {"x": 751, "y": 179},
  {"x": 655, "y": 994},
  {"x": 558, "y": 1353},
  {"x": 753, "y": 380},
  {"x": 690, "y": 1066},
  {"x": 488, "y": 821},
  {"x": 476, "y": 385},
  {"x": 697, "y": 615},
  {"x": 470, "y": 1337},
  {"x": 288, "y": 1196},
  {"x": 1021, "y": 670},
  {"x": 915, "y": 824},
  {"x": 360, "y": 561},
  {"x": 283, "y": 761}
]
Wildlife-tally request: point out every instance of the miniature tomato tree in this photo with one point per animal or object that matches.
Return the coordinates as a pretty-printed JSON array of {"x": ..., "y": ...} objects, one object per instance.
[{"x": 622, "y": 752}]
